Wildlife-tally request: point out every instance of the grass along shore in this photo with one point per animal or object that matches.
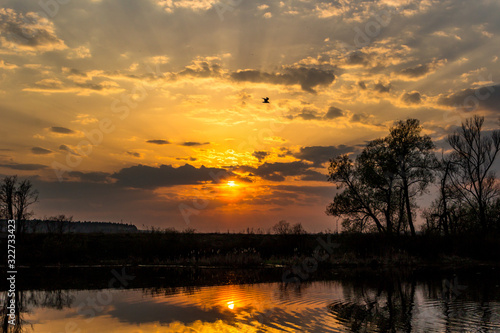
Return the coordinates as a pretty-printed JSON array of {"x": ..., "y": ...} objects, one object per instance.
[{"x": 252, "y": 250}]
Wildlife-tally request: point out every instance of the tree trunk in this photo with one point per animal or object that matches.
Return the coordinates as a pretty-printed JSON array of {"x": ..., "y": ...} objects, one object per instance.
[
  {"x": 388, "y": 216},
  {"x": 379, "y": 225},
  {"x": 408, "y": 207},
  {"x": 8, "y": 189},
  {"x": 482, "y": 218},
  {"x": 401, "y": 212},
  {"x": 444, "y": 198}
]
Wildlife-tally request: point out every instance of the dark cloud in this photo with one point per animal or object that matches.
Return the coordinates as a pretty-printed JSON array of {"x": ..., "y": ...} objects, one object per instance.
[
  {"x": 159, "y": 142},
  {"x": 362, "y": 85},
  {"x": 68, "y": 149},
  {"x": 470, "y": 99},
  {"x": 49, "y": 84},
  {"x": 24, "y": 167},
  {"x": 279, "y": 170},
  {"x": 381, "y": 88},
  {"x": 321, "y": 154},
  {"x": 192, "y": 159},
  {"x": 61, "y": 130},
  {"x": 333, "y": 112},
  {"x": 308, "y": 115},
  {"x": 307, "y": 78},
  {"x": 202, "y": 69},
  {"x": 359, "y": 117},
  {"x": 311, "y": 175},
  {"x": 412, "y": 98},
  {"x": 285, "y": 152},
  {"x": 91, "y": 177},
  {"x": 28, "y": 31},
  {"x": 193, "y": 143},
  {"x": 166, "y": 313},
  {"x": 133, "y": 153},
  {"x": 416, "y": 71},
  {"x": 260, "y": 155},
  {"x": 91, "y": 86},
  {"x": 77, "y": 72},
  {"x": 357, "y": 58},
  {"x": 143, "y": 176},
  {"x": 40, "y": 151}
]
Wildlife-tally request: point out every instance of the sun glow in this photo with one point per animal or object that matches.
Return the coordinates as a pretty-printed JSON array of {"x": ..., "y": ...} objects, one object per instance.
[{"x": 231, "y": 183}]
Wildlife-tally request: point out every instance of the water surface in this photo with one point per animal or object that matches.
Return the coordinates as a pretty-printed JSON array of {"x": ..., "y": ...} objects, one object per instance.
[{"x": 447, "y": 302}]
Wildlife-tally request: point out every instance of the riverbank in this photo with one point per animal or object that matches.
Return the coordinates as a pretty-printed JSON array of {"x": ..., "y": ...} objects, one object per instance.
[
  {"x": 171, "y": 278},
  {"x": 253, "y": 250}
]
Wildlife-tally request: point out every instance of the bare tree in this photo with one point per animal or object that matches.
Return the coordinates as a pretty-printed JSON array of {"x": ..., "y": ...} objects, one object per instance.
[
  {"x": 282, "y": 228},
  {"x": 59, "y": 224},
  {"x": 438, "y": 216},
  {"x": 298, "y": 229},
  {"x": 7, "y": 191},
  {"x": 24, "y": 197},
  {"x": 16, "y": 197},
  {"x": 474, "y": 155}
]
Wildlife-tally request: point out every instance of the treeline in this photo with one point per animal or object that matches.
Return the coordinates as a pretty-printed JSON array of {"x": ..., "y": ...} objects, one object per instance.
[
  {"x": 280, "y": 228},
  {"x": 61, "y": 224},
  {"x": 381, "y": 185}
]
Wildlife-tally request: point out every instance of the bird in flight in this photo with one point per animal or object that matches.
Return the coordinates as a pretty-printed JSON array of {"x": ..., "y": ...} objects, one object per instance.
[{"x": 266, "y": 99}]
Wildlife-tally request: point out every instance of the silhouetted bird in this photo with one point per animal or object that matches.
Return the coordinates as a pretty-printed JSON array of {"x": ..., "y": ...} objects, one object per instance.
[{"x": 266, "y": 99}]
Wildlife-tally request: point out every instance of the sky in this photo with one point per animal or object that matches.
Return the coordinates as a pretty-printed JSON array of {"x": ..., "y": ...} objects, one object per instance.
[{"x": 150, "y": 112}]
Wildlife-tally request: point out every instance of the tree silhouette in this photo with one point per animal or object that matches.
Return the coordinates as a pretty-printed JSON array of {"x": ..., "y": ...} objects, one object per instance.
[
  {"x": 472, "y": 178},
  {"x": 380, "y": 186},
  {"x": 24, "y": 197},
  {"x": 415, "y": 161},
  {"x": 7, "y": 191},
  {"x": 15, "y": 199},
  {"x": 357, "y": 203}
]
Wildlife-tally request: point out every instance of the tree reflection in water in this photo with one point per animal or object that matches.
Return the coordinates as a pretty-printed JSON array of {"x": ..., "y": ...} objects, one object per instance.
[
  {"x": 25, "y": 300},
  {"x": 392, "y": 304},
  {"x": 387, "y": 308}
]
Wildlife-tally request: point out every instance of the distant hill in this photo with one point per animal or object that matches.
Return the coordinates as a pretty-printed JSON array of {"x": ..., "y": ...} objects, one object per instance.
[{"x": 47, "y": 226}]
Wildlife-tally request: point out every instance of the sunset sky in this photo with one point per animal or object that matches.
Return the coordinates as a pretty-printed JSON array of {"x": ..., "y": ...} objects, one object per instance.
[{"x": 150, "y": 112}]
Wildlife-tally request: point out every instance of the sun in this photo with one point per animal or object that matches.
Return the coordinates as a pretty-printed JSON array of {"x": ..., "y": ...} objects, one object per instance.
[{"x": 230, "y": 190}]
